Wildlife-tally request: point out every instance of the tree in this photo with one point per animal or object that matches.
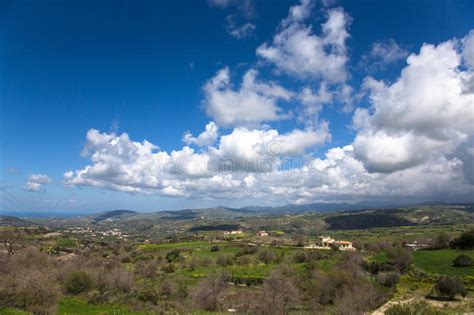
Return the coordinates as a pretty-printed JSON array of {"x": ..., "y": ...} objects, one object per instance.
[
  {"x": 266, "y": 256},
  {"x": 173, "y": 255},
  {"x": 10, "y": 237},
  {"x": 278, "y": 294},
  {"x": 450, "y": 287},
  {"x": 206, "y": 294},
  {"x": 388, "y": 279},
  {"x": 464, "y": 241},
  {"x": 400, "y": 258},
  {"x": 441, "y": 241},
  {"x": 463, "y": 261},
  {"x": 78, "y": 282}
]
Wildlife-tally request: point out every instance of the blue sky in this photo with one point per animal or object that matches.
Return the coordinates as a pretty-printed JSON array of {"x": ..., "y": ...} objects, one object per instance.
[{"x": 141, "y": 68}]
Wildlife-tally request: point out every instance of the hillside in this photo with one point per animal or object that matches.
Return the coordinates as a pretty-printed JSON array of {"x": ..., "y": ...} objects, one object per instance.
[{"x": 13, "y": 221}]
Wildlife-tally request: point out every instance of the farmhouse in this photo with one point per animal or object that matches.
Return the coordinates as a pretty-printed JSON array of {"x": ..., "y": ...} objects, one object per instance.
[
  {"x": 234, "y": 232},
  {"x": 326, "y": 242},
  {"x": 416, "y": 246}
]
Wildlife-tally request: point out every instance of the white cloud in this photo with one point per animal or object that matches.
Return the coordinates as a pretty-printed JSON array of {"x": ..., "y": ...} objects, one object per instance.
[
  {"x": 313, "y": 102},
  {"x": 246, "y": 7},
  {"x": 35, "y": 182},
  {"x": 296, "y": 50},
  {"x": 253, "y": 103},
  {"x": 257, "y": 150},
  {"x": 239, "y": 31},
  {"x": 205, "y": 138},
  {"x": 425, "y": 114},
  {"x": 414, "y": 141},
  {"x": 468, "y": 49},
  {"x": 382, "y": 53}
]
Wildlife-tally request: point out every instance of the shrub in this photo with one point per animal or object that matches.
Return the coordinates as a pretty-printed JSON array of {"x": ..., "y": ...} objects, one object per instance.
[
  {"x": 449, "y": 287},
  {"x": 463, "y": 261},
  {"x": 464, "y": 241},
  {"x": 78, "y": 282},
  {"x": 441, "y": 241},
  {"x": 170, "y": 268},
  {"x": 388, "y": 279},
  {"x": 208, "y": 290},
  {"x": 215, "y": 248},
  {"x": 266, "y": 256},
  {"x": 173, "y": 256},
  {"x": 400, "y": 258},
  {"x": 223, "y": 260}
]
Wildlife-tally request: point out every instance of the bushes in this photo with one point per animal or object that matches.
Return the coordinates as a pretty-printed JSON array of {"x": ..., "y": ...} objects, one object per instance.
[
  {"x": 78, "y": 282},
  {"x": 388, "y": 279},
  {"x": 463, "y": 261},
  {"x": 464, "y": 241},
  {"x": 28, "y": 282},
  {"x": 215, "y": 248},
  {"x": 173, "y": 256},
  {"x": 400, "y": 258},
  {"x": 449, "y": 287},
  {"x": 208, "y": 290},
  {"x": 266, "y": 256}
]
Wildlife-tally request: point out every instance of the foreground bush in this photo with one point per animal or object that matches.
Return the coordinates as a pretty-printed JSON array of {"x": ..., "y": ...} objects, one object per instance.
[
  {"x": 450, "y": 287},
  {"x": 464, "y": 241},
  {"x": 463, "y": 261},
  {"x": 78, "y": 282}
]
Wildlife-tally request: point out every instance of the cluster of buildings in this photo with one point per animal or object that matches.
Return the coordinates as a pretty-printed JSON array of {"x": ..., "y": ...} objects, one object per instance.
[
  {"x": 237, "y": 232},
  {"x": 326, "y": 242}
]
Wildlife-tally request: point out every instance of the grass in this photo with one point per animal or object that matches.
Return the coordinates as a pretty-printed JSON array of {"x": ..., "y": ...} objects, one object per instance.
[
  {"x": 182, "y": 245},
  {"x": 439, "y": 262},
  {"x": 76, "y": 306},
  {"x": 66, "y": 242},
  {"x": 11, "y": 311}
]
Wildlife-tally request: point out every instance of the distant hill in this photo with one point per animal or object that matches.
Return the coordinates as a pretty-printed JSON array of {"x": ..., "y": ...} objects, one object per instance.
[
  {"x": 6, "y": 220},
  {"x": 365, "y": 221},
  {"x": 111, "y": 215},
  {"x": 318, "y": 207}
]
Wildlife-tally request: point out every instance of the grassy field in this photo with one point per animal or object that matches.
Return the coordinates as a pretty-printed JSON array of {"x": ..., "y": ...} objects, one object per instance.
[
  {"x": 76, "y": 306},
  {"x": 11, "y": 311},
  {"x": 439, "y": 262}
]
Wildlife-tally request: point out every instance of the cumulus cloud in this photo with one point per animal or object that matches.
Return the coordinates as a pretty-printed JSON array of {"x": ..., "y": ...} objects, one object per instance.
[
  {"x": 383, "y": 53},
  {"x": 35, "y": 182},
  {"x": 425, "y": 114},
  {"x": 246, "y": 7},
  {"x": 253, "y": 103},
  {"x": 298, "y": 51},
  {"x": 205, "y": 138},
  {"x": 313, "y": 102},
  {"x": 415, "y": 140},
  {"x": 468, "y": 49},
  {"x": 239, "y": 31}
]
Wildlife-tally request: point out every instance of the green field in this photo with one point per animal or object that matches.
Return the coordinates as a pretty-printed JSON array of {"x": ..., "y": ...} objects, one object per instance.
[
  {"x": 439, "y": 262},
  {"x": 11, "y": 311},
  {"x": 76, "y": 306}
]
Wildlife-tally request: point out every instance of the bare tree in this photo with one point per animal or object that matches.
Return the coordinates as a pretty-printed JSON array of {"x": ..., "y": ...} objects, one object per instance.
[{"x": 206, "y": 294}]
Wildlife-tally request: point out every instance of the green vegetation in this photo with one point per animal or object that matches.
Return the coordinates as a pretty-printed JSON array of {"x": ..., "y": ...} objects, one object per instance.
[
  {"x": 440, "y": 262},
  {"x": 204, "y": 271},
  {"x": 77, "y": 306}
]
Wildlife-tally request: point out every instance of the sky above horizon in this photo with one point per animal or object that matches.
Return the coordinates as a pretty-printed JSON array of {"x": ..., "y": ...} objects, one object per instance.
[{"x": 155, "y": 105}]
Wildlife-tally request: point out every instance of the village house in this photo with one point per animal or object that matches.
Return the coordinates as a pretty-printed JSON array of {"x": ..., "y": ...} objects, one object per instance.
[
  {"x": 234, "y": 232},
  {"x": 326, "y": 242},
  {"x": 416, "y": 246}
]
